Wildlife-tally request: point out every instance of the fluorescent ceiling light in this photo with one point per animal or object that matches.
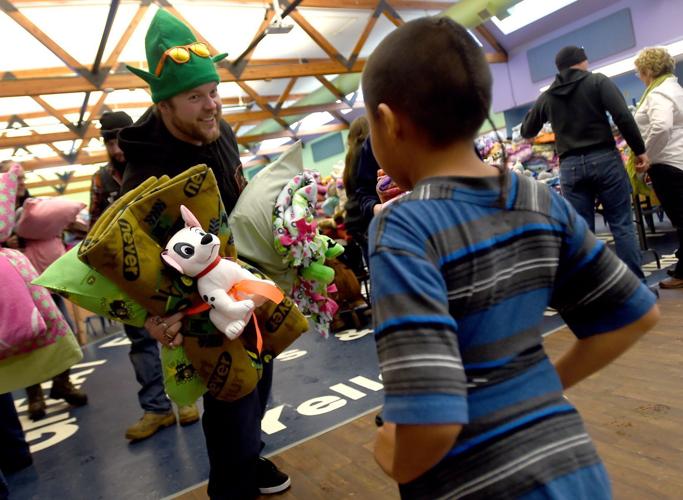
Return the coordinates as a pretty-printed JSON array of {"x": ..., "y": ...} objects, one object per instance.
[
  {"x": 626, "y": 65},
  {"x": 279, "y": 28},
  {"x": 527, "y": 12}
]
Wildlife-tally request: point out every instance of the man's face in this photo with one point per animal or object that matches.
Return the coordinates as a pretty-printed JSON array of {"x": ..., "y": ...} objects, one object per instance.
[
  {"x": 193, "y": 116},
  {"x": 114, "y": 151}
]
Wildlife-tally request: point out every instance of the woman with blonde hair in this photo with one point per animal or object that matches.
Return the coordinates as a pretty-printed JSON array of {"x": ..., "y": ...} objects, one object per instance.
[{"x": 660, "y": 119}]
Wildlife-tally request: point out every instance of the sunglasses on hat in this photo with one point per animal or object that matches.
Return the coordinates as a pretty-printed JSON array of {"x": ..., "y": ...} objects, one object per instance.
[{"x": 181, "y": 54}]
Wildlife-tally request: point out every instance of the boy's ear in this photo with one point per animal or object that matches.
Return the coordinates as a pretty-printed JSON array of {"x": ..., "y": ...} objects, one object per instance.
[{"x": 389, "y": 120}]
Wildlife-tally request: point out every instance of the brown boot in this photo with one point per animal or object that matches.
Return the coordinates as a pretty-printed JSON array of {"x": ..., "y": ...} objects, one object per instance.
[
  {"x": 671, "y": 283},
  {"x": 62, "y": 388},
  {"x": 149, "y": 424},
  {"x": 188, "y": 414},
  {"x": 36, "y": 402}
]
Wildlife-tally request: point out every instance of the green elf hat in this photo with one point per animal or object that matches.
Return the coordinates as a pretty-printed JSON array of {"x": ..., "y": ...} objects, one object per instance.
[{"x": 176, "y": 60}]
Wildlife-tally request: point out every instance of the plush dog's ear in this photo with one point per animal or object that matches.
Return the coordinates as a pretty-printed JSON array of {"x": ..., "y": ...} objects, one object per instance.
[
  {"x": 171, "y": 261},
  {"x": 188, "y": 217}
]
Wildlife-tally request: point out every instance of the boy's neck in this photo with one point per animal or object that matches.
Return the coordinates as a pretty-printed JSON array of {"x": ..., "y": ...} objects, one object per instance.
[{"x": 458, "y": 159}]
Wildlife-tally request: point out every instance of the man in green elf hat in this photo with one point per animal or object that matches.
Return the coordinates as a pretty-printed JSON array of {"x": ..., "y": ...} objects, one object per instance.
[{"x": 184, "y": 128}]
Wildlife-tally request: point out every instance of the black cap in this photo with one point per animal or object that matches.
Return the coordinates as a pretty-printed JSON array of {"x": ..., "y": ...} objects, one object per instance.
[
  {"x": 569, "y": 56},
  {"x": 113, "y": 121}
]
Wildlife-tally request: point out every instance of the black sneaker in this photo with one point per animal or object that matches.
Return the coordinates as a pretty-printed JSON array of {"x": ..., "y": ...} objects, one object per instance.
[{"x": 270, "y": 479}]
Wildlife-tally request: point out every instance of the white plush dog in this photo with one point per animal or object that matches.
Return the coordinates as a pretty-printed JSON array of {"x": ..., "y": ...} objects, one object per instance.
[{"x": 194, "y": 253}]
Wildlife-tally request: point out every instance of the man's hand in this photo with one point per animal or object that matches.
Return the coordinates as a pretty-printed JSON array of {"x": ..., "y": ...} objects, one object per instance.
[
  {"x": 166, "y": 329},
  {"x": 642, "y": 163}
]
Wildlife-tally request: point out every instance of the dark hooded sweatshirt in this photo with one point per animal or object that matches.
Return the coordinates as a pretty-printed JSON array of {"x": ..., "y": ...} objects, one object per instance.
[
  {"x": 576, "y": 105},
  {"x": 151, "y": 150}
]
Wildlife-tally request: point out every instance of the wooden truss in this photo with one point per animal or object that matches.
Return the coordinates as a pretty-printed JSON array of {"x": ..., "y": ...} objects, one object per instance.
[{"x": 110, "y": 74}]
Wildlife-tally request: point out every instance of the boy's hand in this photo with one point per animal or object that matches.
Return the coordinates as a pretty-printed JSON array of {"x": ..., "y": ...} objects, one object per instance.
[
  {"x": 385, "y": 444},
  {"x": 591, "y": 354}
]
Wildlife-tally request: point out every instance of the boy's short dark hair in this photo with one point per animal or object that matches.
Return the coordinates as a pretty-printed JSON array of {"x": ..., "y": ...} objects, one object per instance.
[{"x": 432, "y": 71}]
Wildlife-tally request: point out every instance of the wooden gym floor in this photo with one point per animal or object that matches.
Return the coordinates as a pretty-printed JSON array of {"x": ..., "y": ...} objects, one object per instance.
[{"x": 633, "y": 410}]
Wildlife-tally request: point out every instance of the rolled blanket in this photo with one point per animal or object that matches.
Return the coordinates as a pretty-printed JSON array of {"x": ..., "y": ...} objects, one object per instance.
[
  {"x": 297, "y": 239},
  {"x": 125, "y": 246}
]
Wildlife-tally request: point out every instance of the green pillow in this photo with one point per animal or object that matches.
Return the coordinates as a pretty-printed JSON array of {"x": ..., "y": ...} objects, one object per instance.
[
  {"x": 251, "y": 220},
  {"x": 71, "y": 278},
  {"x": 181, "y": 381}
]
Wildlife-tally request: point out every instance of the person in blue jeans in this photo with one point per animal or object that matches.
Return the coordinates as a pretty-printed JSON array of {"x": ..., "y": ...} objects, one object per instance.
[
  {"x": 144, "y": 352},
  {"x": 591, "y": 168}
]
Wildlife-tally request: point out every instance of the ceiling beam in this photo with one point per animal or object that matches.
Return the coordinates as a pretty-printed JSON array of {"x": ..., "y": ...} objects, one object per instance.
[
  {"x": 64, "y": 71},
  {"x": 226, "y": 101},
  {"x": 332, "y": 89},
  {"x": 30, "y": 140},
  {"x": 366, "y": 33},
  {"x": 55, "y": 161},
  {"x": 246, "y": 116},
  {"x": 123, "y": 41},
  {"x": 285, "y": 94},
  {"x": 244, "y": 58},
  {"x": 56, "y": 182},
  {"x": 263, "y": 104},
  {"x": 257, "y": 116},
  {"x": 83, "y": 189},
  {"x": 53, "y": 112},
  {"x": 12, "y": 11},
  {"x": 392, "y": 14},
  {"x": 317, "y": 37},
  {"x": 501, "y": 54},
  {"x": 116, "y": 81},
  {"x": 317, "y": 4}
]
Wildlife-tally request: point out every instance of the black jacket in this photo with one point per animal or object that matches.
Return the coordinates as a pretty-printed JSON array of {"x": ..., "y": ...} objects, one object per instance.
[
  {"x": 362, "y": 192},
  {"x": 151, "y": 150},
  {"x": 576, "y": 105}
]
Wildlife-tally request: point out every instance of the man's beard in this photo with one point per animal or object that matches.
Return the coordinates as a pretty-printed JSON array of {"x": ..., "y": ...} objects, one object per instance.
[
  {"x": 118, "y": 166},
  {"x": 193, "y": 128}
]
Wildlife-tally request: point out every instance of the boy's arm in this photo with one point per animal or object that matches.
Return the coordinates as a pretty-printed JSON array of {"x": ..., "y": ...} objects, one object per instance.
[
  {"x": 425, "y": 385},
  {"x": 603, "y": 303},
  {"x": 405, "y": 452},
  {"x": 591, "y": 354}
]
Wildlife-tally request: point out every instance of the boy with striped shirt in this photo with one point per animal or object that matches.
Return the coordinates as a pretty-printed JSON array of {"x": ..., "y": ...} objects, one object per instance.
[{"x": 462, "y": 270}]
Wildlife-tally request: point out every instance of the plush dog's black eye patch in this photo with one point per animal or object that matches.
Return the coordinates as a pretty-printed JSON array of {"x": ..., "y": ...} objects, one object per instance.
[{"x": 185, "y": 250}]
